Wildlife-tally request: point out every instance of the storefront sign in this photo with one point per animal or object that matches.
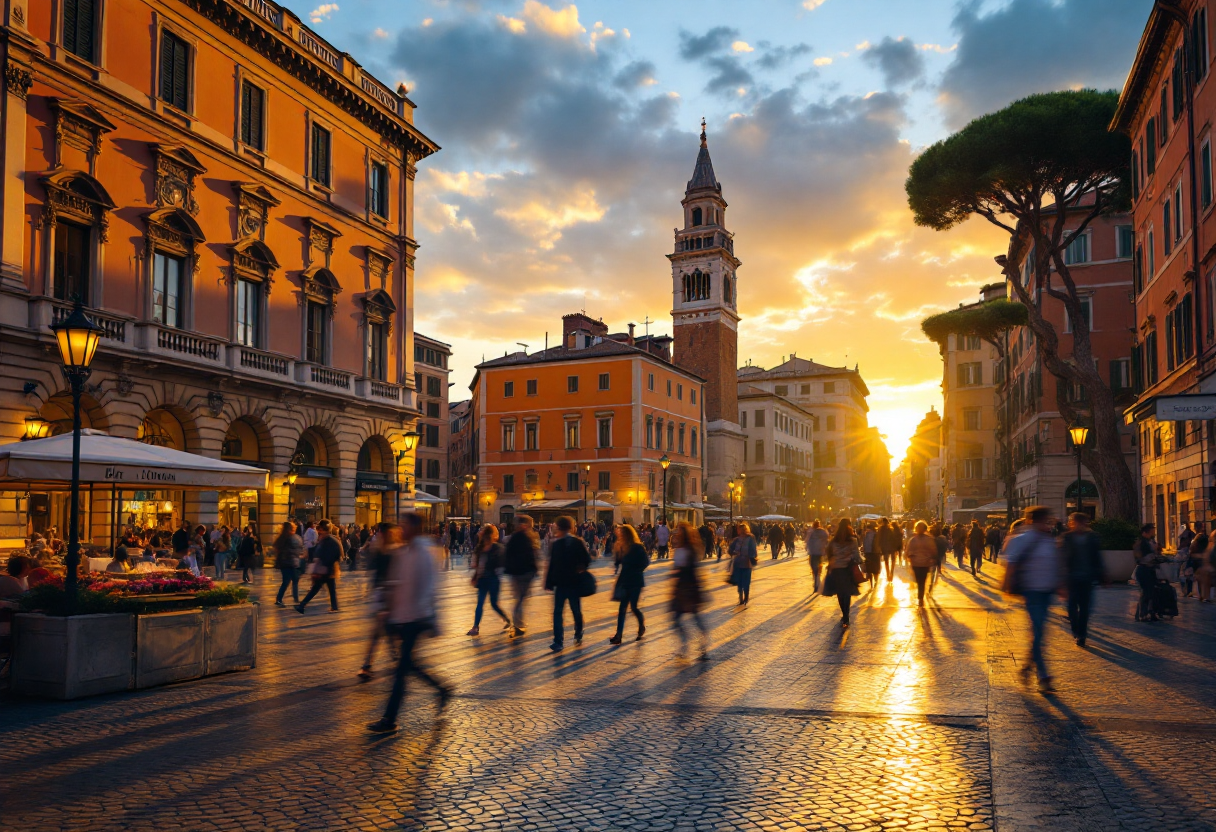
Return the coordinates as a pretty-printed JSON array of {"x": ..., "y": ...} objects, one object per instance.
[
  {"x": 1181, "y": 408},
  {"x": 373, "y": 485},
  {"x": 316, "y": 471}
]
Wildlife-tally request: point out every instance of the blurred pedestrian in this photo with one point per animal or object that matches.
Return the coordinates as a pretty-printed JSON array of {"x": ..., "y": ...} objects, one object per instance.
[
  {"x": 382, "y": 547},
  {"x": 631, "y": 563},
  {"x": 816, "y": 545},
  {"x": 288, "y": 554},
  {"x": 744, "y": 555},
  {"x": 519, "y": 565},
  {"x": 687, "y": 598},
  {"x": 568, "y": 558},
  {"x": 249, "y": 553},
  {"x": 327, "y": 554},
  {"x": 662, "y": 536},
  {"x": 922, "y": 557},
  {"x": 486, "y": 562},
  {"x": 975, "y": 547},
  {"x": 410, "y": 589},
  {"x": 843, "y": 555},
  {"x": 889, "y": 546},
  {"x": 871, "y": 553},
  {"x": 1033, "y": 571},
  {"x": 1148, "y": 557},
  {"x": 1082, "y": 551}
]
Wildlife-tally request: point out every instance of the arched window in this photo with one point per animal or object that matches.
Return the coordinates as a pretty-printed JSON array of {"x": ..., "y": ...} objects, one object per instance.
[{"x": 696, "y": 216}]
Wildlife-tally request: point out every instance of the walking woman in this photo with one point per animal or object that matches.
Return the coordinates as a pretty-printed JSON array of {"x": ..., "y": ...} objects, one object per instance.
[
  {"x": 843, "y": 556},
  {"x": 249, "y": 553},
  {"x": 687, "y": 599},
  {"x": 631, "y": 563},
  {"x": 1148, "y": 556},
  {"x": 873, "y": 554},
  {"x": 487, "y": 563},
  {"x": 288, "y": 552},
  {"x": 922, "y": 556},
  {"x": 743, "y": 558}
]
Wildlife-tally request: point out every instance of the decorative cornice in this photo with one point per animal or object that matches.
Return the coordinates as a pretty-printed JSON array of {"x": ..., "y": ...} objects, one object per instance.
[{"x": 18, "y": 79}]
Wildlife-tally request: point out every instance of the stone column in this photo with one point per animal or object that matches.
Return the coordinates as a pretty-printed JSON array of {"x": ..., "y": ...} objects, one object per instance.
[
  {"x": 202, "y": 507},
  {"x": 341, "y": 508}
]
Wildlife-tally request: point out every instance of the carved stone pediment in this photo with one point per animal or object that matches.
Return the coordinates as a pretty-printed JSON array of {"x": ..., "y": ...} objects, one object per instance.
[
  {"x": 173, "y": 230},
  {"x": 80, "y": 126},
  {"x": 378, "y": 307},
  {"x": 175, "y": 168},
  {"x": 379, "y": 266},
  {"x": 253, "y": 204},
  {"x": 321, "y": 236},
  {"x": 253, "y": 260},
  {"x": 77, "y": 196},
  {"x": 320, "y": 285}
]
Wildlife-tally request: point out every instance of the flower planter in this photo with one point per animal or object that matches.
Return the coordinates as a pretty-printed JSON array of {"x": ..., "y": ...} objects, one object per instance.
[
  {"x": 65, "y": 658},
  {"x": 1119, "y": 565},
  {"x": 169, "y": 647},
  {"x": 232, "y": 638}
]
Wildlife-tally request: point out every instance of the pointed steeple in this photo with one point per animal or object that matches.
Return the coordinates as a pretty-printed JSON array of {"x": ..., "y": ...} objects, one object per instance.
[{"x": 703, "y": 173}]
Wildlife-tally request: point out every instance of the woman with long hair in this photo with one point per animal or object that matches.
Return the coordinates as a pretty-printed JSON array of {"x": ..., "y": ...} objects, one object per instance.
[
  {"x": 631, "y": 563},
  {"x": 922, "y": 556},
  {"x": 687, "y": 599},
  {"x": 487, "y": 563},
  {"x": 288, "y": 554},
  {"x": 744, "y": 555},
  {"x": 843, "y": 556}
]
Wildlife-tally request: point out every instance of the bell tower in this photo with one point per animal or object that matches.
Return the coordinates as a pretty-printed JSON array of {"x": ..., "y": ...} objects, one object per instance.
[{"x": 705, "y": 318}]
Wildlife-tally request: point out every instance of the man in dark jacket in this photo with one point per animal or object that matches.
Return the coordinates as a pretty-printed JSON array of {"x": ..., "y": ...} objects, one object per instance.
[
  {"x": 519, "y": 565},
  {"x": 775, "y": 539},
  {"x": 888, "y": 545},
  {"x": 975, "y": 546},
  {"x": 568, "y": 557},
  {"x": 993, "y": 536},
  {"x": 326, "y": 555},
  {"x": 707, "y": 539},
  {"x": 958, "y": 537},
  {"x": 1082, "y": 552}
]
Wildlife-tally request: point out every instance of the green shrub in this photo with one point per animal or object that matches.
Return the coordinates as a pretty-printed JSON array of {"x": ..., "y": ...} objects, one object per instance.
[
  {"x": 50, "y": 598},
  {"x": 1116, "y": 533}
]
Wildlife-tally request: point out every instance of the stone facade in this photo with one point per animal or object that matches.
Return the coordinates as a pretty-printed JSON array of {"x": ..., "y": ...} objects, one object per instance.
[
  {"x": 431, "y": 468},
  {"x": 245, "y": 243}
]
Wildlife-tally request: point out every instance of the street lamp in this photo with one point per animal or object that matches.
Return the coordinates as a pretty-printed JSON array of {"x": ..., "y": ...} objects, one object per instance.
[
  {"x": 664, "y": 461},
  {"x": 469, "y": 482},
  {"x": 1079, "y": 434},
  {"x": 78, "y": 338},
  {"x": 36, "y": 427},
  {"x": 586, "y": 485},
  {"x": 730, "y": 488}
]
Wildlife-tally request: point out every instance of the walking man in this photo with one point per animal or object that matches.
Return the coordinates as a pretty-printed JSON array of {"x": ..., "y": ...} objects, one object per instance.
[
  {"x": 975, "y": 547},
  {"x": 661, "y": 535},
  {"x": 519, "y": 565},
  {"x": 326, "y": 556},
  {"x": 816, "y": 545},
  {"x": 1082, "y": 552},
  {"x": 1032, "y": 571},
  {"x": 568, "y": 556},
  {"x": 411, "y": 589}
]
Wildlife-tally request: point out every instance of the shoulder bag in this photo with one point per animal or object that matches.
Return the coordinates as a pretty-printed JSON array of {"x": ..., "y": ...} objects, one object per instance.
[{"x": 585, "y": 585}]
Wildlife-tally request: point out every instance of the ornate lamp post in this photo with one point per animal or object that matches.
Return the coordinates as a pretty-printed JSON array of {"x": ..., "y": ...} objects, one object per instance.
[
  {"x": 411, "y": 441},
  {"x": 730, "y": 488},
  {"x": 1079, "y": 434},
  {"x": 664, "y": 461},
  {"x": 586, "y": 485},
  {"x": 78, "y": 338},
  {"x": 469, "y": 482}
]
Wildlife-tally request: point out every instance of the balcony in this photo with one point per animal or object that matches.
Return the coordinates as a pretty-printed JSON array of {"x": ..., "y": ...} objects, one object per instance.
[
  {"x": 325, "y": 378},
  {"x": 180, "y": 344},
  {"x": 260, "y": 363},
  {"x": 45, "y": 311},
  {"x": 378, "y": 391}
]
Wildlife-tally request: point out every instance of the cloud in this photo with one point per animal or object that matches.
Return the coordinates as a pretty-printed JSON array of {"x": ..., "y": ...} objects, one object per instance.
[
  {"x": 741, "y": 46},
  {"x": 1029, "y": 46},
  {"x": 811, "y": 5},
  {"x": 775, "y": 57},
  {"x": 898, "y": 59},
  {"x": 562, "y": 23},
  {"x": 381, "y": 34},
  {"x": 717, "y": 39},
  {"x": 322, "y": 12},
  {"x": 635, "y": 74},
  {"x": 822, "y": 61}
]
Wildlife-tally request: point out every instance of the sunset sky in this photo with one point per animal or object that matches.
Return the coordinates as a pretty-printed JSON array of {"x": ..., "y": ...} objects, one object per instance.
[{"x": 569, "y": 131}]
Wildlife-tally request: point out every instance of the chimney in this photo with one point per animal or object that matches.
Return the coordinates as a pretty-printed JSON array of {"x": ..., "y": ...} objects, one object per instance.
[{"x": 631, "y": 335}]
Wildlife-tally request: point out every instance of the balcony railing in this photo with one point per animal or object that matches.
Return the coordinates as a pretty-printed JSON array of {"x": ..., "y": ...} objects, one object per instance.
[
  {"x": 188, "y": 343},
  {"x": 319, "y": 376},
  {"x": 115, "y": 329},
  {"x": 259, "y": 362}
]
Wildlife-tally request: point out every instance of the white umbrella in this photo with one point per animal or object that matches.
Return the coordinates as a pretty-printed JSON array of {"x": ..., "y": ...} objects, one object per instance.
[{"x": 122, "y": 463}]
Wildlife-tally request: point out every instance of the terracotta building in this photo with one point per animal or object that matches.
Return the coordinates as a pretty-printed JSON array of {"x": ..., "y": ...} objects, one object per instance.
[
  {"x": 231, "y": 198},
  {"x": 1167, "y": 108},
  {"x": 778, "y": 457},
  {"x": 589, "y": 419},
  {"x": 431, "y": 457}
]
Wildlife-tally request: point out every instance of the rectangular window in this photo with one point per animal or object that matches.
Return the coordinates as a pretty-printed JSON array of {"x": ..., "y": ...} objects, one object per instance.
[
  {"x": 1152, "y": 257},
  {"x": 970, "y": 374},
  {"x": 804, "y": 390},
  {"x": 650, "y": 382},
  {"x": 1087, "y": 315},
  {"x": 604, "y": 432},
  {"x": 1170, "y": 337},
  {"x": 531, "y": 436},
  {"x": 249, "y": 313},
  {"x": 433, "y": 386},
  {"x": 649, "y": 431},
  {"x": 1077, "y": 251},
  {"x": 1125, "y": 240},
  {"x": 377, "y": 351},
  {"x": 1199, "y": 44},
  {"x": 680, "y": 445},
  {"x": 508, "y": 483},
  {"x": 604, "y": 381},
  {"x": 1135, "y": 176},
  {"x": 1178, "y": 215},
  {"x": 253, "y": 110},
  {"x": 680, "y": 392},
  {"x": 743, "y": 419},
  {"x": 830, "y": 423},
  {"x": 668, "y": 387},
  {"x": 759, "y": 420},
  {"x": 531, "y": 387},
  {"x": 572, "y": 483},
  {"x": 758, "y": 456},
  {"x": 782, "y": 390},
  {"x": 320, "y": 145},
  {"x": 1205, "y": 174},
  {"x": 973, "y": 469},
  {"x": 432, "y": 436},
  {"x": 571, "y": 434},
  {"x": 829, "y": 387},
  {"x": 432, "y": 470},
  {"x": 1150, "y": 141},
  {"x": 508, "y": 437},
  {"x": 692, "y": 395},
  {"x": 167, "y": 289},
  {"x": 671, "y": 436},
  {"x": 508, "y": 389},
  {"x": 571, "y": 384},
  {"x": 650, "y": 480},
  {"x": 971, "y": 418},
  {"x": 79, "y": 26},
  {"x": 605, "y": 480},
  {"x": 174, "y": 71},
  {"x": 432, "y": 410},
  {"x": 1167, "y": 243},
  {"x": 531, "y": 480},
  {"x": 693, "y": 445},
  {"x": 377, "y": 190},
  {"x": 1150, "y": 358},
  {"x": 317, "y": 335}
]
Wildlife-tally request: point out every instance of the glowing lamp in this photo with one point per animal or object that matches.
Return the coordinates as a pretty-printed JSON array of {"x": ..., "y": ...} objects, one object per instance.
[
  {"x": 78, "y": 337},
  {"x": 1079, "y": 434},
  {"x": 36, "y": 427}
]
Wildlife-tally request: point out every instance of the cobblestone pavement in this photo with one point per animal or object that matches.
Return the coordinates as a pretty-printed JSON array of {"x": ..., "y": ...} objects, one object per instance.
[{"x": 908, "y": 720}]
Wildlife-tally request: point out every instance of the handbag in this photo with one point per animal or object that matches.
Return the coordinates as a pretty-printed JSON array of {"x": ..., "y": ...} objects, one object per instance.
[
  {"x": 585, "y": 585},
  {"x": 858, "y": 576}
]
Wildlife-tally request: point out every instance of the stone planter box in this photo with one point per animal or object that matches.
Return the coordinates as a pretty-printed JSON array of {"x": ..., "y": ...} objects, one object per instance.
[
  {"x": 65, "y": 658},
  {"x": 1119, "y": 565},
  {"x": 232, "y": 638},
  {"x": 169, "y": 647}
]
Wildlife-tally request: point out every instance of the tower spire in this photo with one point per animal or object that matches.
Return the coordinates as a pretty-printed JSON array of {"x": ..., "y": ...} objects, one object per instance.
[
  {"x": 703, "y": 172},
  {"x": 703, "y": 144}
]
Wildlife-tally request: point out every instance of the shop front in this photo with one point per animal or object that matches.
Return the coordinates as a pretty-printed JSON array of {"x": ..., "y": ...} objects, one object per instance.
[
  {"x": 308, "y": 495},
  {"x": 374, "y": 495}
]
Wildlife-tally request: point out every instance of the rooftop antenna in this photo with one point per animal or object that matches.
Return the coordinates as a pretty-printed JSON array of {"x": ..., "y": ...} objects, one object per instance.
[
  {"x": 546, "y": 340},
  {"x": 525, "y": 346},
  {"x": 647, "y": 322}
]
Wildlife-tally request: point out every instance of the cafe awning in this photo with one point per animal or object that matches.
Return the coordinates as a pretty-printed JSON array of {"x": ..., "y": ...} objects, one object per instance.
[
  {"x": 548, "y": 505},
  {"x": 421, "y": 497},
  {"x": 46, "y": 464}
]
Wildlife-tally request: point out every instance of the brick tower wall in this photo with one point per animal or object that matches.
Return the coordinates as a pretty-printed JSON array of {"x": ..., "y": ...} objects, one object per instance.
[{"x": 710, "y": 349}]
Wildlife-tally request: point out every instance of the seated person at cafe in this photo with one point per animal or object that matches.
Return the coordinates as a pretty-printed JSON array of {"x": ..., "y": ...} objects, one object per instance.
[
  {"x": 189, "y": 563},
  {"x": 14, "y": 583},
  {"x": 38, "y": 573},
  {"x": 121, "y": 561}
]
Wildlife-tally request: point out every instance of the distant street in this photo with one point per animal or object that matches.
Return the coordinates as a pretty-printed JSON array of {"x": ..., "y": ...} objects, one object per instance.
[{"x": 910, "y": 720}]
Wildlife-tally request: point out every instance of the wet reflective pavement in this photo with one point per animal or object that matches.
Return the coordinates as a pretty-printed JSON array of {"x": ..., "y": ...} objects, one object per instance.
[{"x": 910, "y": 719}]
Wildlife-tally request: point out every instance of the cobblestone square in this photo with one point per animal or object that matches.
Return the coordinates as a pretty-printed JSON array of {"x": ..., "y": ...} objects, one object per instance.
[{"x": 908, "y": 720}]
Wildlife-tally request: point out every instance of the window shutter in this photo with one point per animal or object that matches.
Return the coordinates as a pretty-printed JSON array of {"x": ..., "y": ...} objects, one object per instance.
[
  {"x": 179, "y": 74},
  {"x": 70, "y": 16},
  {"x": 962, "y": 378},
  {"x": 166, "y": 67},
  {"x": 256, "y": 116},
  {"x": 246, "y": 106}
]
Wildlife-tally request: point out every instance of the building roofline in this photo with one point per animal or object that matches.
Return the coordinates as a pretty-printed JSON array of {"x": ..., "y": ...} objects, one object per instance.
[
  {"x": 1160, "y": 21},
  {"x": 428, "y": 339}
]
